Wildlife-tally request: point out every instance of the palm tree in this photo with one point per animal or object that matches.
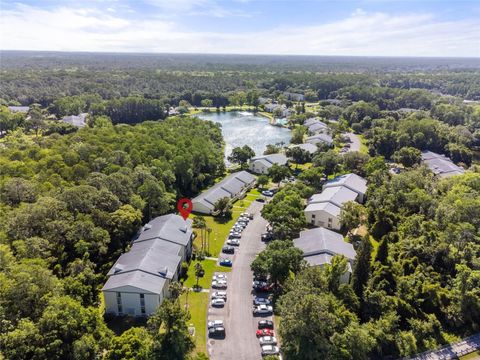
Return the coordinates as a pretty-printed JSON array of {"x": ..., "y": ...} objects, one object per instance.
[
  {"x": 200, "y": 223},
  {"x": 199, "y": 272},
  {"x": 209, "y": 231}
]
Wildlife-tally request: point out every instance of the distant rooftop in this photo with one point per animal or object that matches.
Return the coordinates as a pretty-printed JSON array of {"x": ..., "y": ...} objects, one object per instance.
[
  {"x": 323, "y": 241},
  {"x": 78, "y": 121},
  {"x": 320, "y": 138},
  {"x": 279, "y": 159},
  {"x": 19, "y": 108},
  {"x": 441, "y": 165},
  {"x": 352, "y": 181},
  {"x": 310, "y": 148},
  {"x": 229, "y": 187}
]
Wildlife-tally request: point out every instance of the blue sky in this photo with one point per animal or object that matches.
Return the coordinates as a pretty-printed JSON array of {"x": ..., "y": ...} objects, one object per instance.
[{"x": 315, "y": 27}]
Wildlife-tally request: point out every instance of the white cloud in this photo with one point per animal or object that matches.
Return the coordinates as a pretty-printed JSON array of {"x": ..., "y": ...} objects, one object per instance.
[{"x": 362, "y": 33}]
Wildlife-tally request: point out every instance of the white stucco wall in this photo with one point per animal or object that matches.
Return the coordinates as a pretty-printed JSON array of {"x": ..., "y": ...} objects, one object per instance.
[
  {"x": 131, "y": 301},
  {"x": 321, "y": 219}
]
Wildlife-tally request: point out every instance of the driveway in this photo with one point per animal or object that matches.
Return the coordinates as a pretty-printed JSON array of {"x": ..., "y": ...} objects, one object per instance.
[
  {"x": 240, "y": 342},
  {"x": 354, "y": 142}
]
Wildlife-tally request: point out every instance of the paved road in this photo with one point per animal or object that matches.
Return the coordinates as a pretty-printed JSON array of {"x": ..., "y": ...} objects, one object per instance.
[
  {"x": 240, "y": 325},
  {"x": 452, "y": 351},
  {"x": 355, "y": 142}
]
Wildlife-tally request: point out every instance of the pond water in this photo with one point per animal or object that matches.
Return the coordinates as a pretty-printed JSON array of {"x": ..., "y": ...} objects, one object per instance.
[{"x": 244, "y": 128}]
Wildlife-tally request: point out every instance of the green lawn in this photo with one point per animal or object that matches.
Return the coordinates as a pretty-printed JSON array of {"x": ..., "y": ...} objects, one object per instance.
[
  {"x": 302, "y": 167},
  {"x": 472, "y": 356},
  {"x": 210, "y": 267},
  {"x": 197, "y": 306}
]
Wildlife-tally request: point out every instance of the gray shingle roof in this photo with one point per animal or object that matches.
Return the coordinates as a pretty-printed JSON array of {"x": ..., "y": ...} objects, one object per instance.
[
  {"x": 245, "y": 177},
  {"x": 279, "y": 159},
  {"x": 319, "y": 138},
  {"x": 318, "y": 126},
  {"x": 169, "y": 227},
  {"x": 154, "y": 256},
  {"x": 214, "y": 195},
  {"x": 78, "y": 121},
  {"x": 153, "y": 260},
  {"x": 137, "y": 279},
  {"x": 310, "y": 148},
  {"x": 310, "y": 121},
  {"x": 337, "y": 195},
  {"x": 328, "y": 207},
  {"x": 323, "y": 241},
  {"x": 19, "y": 108},
  {"x": 440, "y": 164},
  {"x": 351, "y": 181},
  {"x": 233, "y": 185},
  {"x": 229, "y": 187}
]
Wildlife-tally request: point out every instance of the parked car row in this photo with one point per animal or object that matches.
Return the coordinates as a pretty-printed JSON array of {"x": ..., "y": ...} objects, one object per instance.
[
  {"x": 234, "y": 238},
  {"x": 219, "y": 282},
  {"x": 262, "y": 306},
  {"x": 216, "y": 328}
]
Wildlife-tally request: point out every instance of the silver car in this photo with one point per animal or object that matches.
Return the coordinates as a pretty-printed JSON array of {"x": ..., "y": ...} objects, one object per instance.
[
  {"x": 270, "y": 350},
  {"x": 268, "y": 340}
]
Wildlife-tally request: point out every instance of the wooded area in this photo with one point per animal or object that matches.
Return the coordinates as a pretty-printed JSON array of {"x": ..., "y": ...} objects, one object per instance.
[{"x": 71, "y": 199}]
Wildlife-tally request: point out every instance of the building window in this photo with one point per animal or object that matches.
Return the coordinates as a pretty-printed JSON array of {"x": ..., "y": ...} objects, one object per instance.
[
  {"x": 119, "y": 303},
  {"x": 142, "y": 303},
  {"x": 329, "y": 220},
  {"x": 313, "y": 216}
]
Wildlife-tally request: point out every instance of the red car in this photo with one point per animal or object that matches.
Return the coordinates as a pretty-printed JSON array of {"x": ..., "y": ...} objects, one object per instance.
[{"x": 265, "y": 332}]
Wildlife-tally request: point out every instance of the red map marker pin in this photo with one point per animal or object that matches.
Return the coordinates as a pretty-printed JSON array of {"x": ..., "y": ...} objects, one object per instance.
[{"x": 184, "y": 211}]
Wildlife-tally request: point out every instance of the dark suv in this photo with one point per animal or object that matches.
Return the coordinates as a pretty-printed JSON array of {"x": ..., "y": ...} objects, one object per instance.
[{"x": 228, "y": 250}]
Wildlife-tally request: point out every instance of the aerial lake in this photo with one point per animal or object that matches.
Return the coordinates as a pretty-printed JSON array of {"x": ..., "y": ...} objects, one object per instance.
[{"x": 244, "y": 128}]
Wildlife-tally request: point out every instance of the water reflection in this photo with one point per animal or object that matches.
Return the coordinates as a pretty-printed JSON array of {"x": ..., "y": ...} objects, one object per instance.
[{"x": 244, "y": 128}]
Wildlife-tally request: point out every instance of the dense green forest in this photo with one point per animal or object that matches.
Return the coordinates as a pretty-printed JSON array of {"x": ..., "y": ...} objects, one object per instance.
[
  {"x": 68, "y": 207},
  {"x": 46, "y": 77}
]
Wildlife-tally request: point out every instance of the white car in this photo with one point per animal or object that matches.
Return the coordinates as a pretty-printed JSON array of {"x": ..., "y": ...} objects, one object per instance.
[
  {"x": 219, "y": 295},
  {"x": 215, "y": 323},
  {"x": 262, "y": 310},
  {"x": 233, "y": 242},
  {"x": 268, "y": 340},
  {"x": 220, "y": 284},
  {"x": 270, "y": 350},
  {"x": 218, "y": 277},
  {"x": 218, "y": 302}
]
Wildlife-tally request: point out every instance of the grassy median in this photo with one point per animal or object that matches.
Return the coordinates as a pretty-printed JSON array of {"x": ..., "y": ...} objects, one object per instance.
[{"x": 197, "y": 303}]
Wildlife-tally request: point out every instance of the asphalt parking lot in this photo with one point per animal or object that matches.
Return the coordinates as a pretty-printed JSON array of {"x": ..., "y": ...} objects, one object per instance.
[{"x": 240, "y": 342}]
